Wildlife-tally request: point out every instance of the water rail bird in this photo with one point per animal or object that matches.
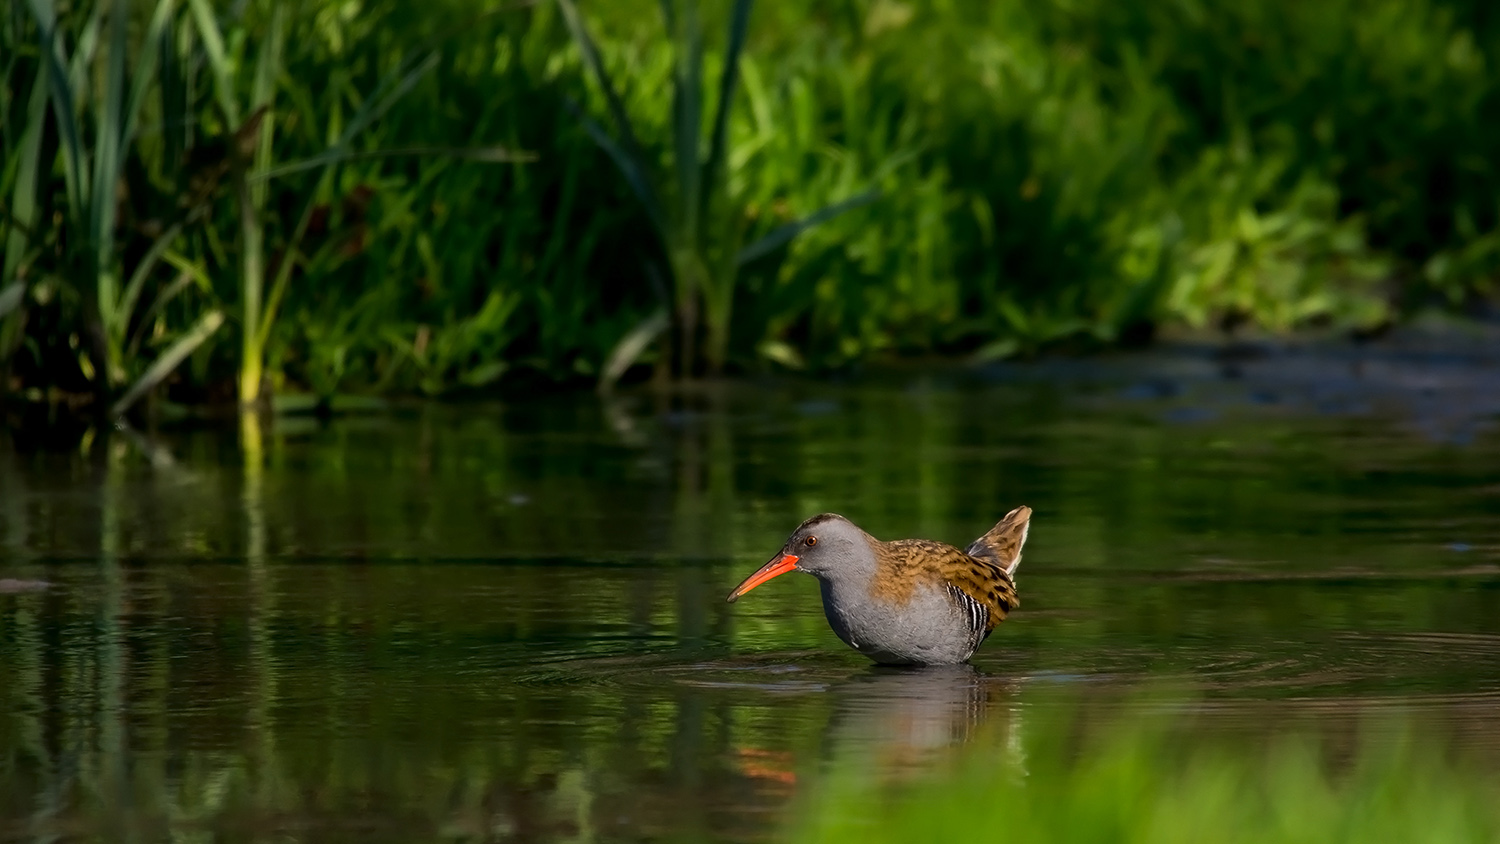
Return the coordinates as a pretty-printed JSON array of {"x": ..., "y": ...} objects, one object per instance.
[{"x": 908, "y": 601}]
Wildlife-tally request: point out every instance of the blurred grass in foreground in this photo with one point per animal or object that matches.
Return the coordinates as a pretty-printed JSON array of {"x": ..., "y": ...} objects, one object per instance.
[{"x": 1142, "y": 780}]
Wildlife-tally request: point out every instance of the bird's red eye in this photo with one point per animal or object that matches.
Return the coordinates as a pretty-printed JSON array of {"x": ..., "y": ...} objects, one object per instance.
[{"x": 810, "y": 541}]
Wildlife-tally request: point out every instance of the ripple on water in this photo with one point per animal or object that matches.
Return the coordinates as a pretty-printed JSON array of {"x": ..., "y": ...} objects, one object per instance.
[{"x": 786, "y": 671}]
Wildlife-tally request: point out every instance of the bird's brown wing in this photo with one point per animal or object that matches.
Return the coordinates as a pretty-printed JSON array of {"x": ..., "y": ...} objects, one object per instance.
[{"x": 980, "y": 587}]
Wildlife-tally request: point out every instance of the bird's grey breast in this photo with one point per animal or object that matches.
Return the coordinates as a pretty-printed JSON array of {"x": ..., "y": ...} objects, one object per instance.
[{"x": 928, "y": 628}]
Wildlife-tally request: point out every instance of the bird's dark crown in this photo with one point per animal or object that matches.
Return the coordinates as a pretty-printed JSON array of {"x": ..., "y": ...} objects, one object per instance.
[{"x": 820, "y": 519}]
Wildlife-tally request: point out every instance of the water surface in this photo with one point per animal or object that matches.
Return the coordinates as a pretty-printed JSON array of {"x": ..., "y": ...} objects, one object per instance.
[{"x": 506, "y": 621}]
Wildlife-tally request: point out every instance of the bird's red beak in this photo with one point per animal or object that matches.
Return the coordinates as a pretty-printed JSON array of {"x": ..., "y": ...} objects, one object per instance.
[{"x": 779, "y": 565}]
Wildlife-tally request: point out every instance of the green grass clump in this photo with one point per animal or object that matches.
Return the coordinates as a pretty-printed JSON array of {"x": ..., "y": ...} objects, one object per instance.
[{"x": 1143, "y": 782}]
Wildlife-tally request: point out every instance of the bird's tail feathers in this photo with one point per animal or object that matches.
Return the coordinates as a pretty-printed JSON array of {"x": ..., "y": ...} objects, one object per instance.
[{"x": 1002, "y": 544}]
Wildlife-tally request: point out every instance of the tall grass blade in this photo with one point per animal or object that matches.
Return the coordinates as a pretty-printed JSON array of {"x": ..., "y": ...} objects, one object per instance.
[
  {"x": 252, "y": 198},
  {"x": 23, "y": 202},
  {"x": 629, "y": 166},
  {"x": 45, "y": 13},
  {"x": 263, "y": 92},
  {"x": 782, "y": 235},
  {"x": 169, "y": 360},
  {"x": 143, "y": 269},
  {"x": 592, "y": 62},
  {"x": 625, "y": 153},
  {"x": 108, "y": 142},
  {"x": 192, "y": 269},
  {"x": 687, "y": 117},
  {"x": 158, "y": 33},
  {"x": 29, "y": 178},
  {"x": 218, "y": 62},
  {"x": 390, "y": 90},
  {"x": 184, "y": 279},
  {"x": 172, "y": 94},
  {"x": 252, "y": 284},
  {"x": 64, "y": 111},
  {"x": 267, "y": 68},
  {"x": 739, "y": 24},
  {"x": 288, "y": 263},
  {"x": 157, "y": 41},
  {"x": 79, "y": 67}
]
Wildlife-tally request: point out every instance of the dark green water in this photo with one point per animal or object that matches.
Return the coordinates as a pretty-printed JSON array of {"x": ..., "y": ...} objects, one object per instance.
[{"x": 506, "y": 622}]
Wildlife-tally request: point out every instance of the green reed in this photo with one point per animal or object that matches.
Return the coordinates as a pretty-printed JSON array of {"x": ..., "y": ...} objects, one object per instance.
[
  {"x": 705, "y": 232},
  {"x": 80, "y": 85},
  {"x": 403, "y": 198}
]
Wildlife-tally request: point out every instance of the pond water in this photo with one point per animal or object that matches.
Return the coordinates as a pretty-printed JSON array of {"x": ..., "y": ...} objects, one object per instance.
[{"x": 506, "y": 621}]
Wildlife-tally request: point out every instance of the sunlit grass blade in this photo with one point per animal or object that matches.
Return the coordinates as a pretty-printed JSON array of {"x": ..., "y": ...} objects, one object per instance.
[
  {"x": 252, "y": 200},
  {"x": 252, "y": 287},
  {"x": 631, "y": 347},
  {"x": 191, "y": 268},
  {"x": 252, "y": 280},
  {"x": 169, "y": 360},
  {"x": 782, "y": 235}
]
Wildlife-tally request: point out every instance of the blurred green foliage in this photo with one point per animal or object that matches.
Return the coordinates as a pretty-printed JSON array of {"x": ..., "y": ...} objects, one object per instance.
[
  {"x": 1061, "y": 171},
  {"x": 1138, "y": 780}
]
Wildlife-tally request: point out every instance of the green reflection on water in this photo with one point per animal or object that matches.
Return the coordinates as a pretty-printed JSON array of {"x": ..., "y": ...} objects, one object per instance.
[{"x": 507, "y": 622}]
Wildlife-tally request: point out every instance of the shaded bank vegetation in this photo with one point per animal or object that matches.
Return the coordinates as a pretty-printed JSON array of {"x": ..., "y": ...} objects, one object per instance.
[{"x": 413, "y": 197}]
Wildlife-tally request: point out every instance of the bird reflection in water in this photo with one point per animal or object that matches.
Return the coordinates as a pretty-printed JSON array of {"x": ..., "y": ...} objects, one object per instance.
[{"x": 904, "y": 721}]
